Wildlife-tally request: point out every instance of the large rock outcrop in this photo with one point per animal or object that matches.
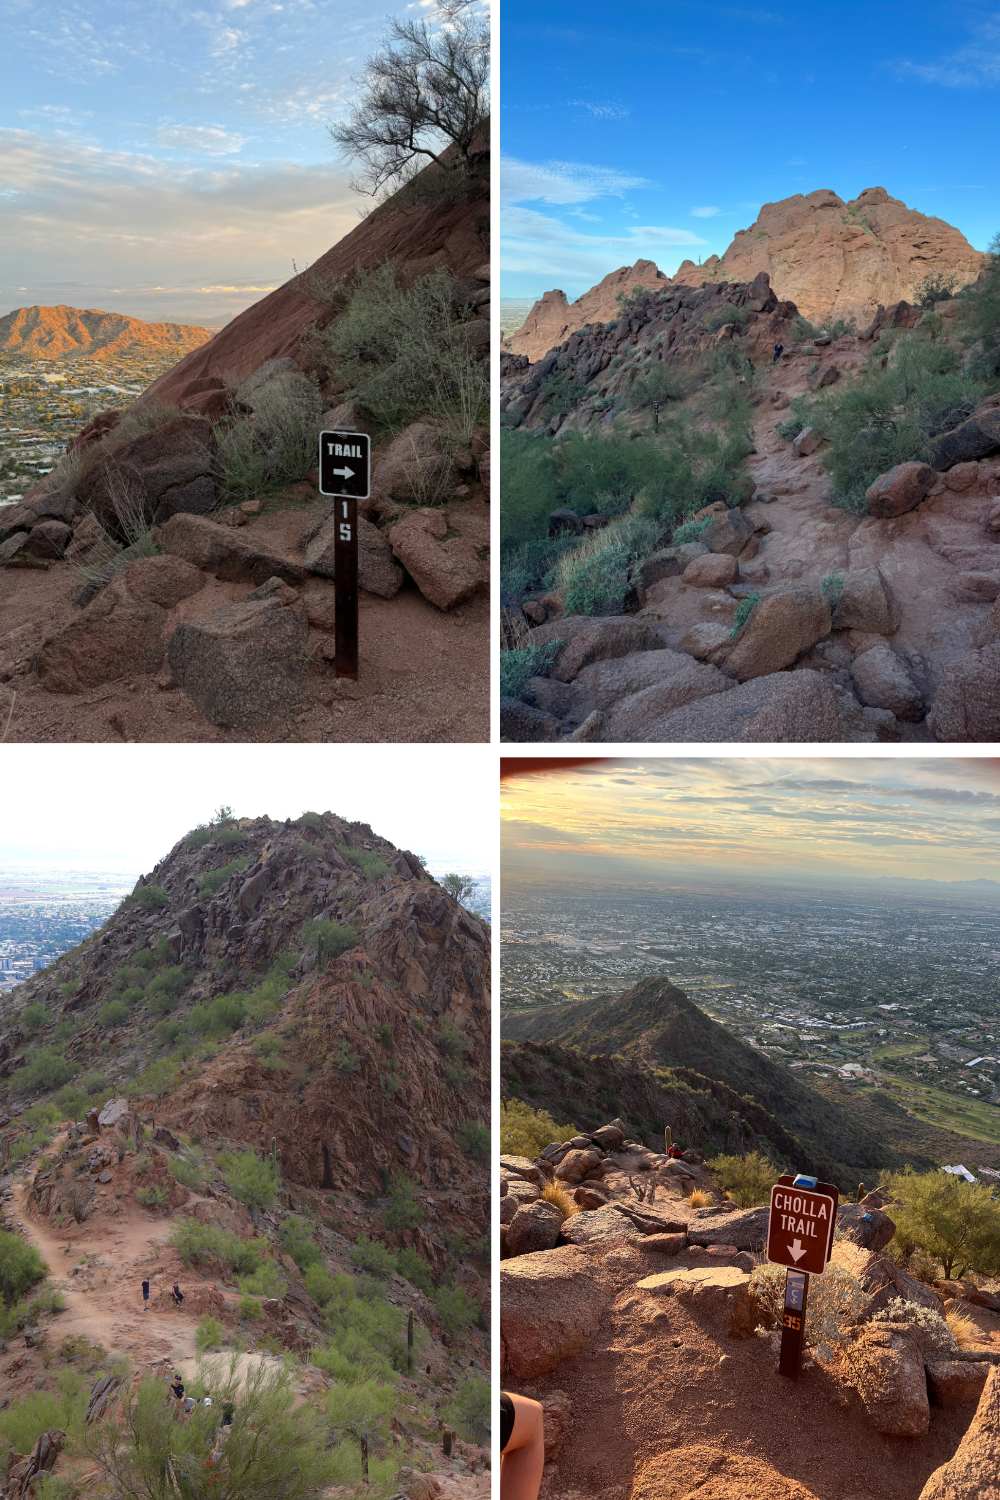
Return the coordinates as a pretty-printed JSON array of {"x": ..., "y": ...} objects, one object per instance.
[{"x": 553, "y": 318}]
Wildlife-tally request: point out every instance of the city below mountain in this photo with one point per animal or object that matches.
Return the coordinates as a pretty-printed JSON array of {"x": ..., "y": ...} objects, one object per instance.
[{"x": 59, "y": 332}]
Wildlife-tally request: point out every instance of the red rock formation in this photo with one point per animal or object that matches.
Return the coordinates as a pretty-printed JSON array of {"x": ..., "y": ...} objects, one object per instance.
[
  {"x": 553, "y": 319},
  {"x": 420, "y": 238},
  {"x": 50, "y": 332}
]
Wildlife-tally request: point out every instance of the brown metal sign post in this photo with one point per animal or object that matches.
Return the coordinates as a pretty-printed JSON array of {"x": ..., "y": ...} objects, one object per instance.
[
  {"x": 344, "y": 468},
  {"x": 800, "y": 1238}
]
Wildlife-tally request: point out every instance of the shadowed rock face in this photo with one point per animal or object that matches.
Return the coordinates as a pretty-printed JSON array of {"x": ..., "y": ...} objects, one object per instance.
[{"x": 553, "y": 318}]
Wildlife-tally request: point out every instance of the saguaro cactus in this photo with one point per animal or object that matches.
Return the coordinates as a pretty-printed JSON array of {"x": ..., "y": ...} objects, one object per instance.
[
  {"x": 385, "y": 1182},
  {"x": 409, "y": 1343}
]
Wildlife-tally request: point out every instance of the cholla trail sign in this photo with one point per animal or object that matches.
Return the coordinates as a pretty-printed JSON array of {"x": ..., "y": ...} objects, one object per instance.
[
  {"x": 344, "y": 473},
  {"x": 800, "y": 1238}
]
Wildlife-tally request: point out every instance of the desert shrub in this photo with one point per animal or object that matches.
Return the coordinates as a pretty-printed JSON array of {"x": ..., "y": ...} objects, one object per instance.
[
  {"x": 152, "y": 958},
  {"x": 208, "y": 1334},
  {"x": 159, "y": 1079},
  {"x": 658, "y": 383},
  {"x": 747, "y": 1180},
  {"x": 215, "y": 879},
  {"x": 199, "y": 1244},
  {"x": 268, "y": 1049},
  {"x": 154, "y": 1196},
  {"x": 372, "y": 1257},
  {"x": 691, "y": 531},
  {"x": 956, "y": 1222},
  {"x": 524, "y": 1131},
  {"x": 20, "y": 1267},
  {"x": 451, "y": 1041},
  {"x": 416, "y": 1270},
  {"x": 190, "y": 1169},
  {"x": 163, "y": 992},
  {"x": 220, "y": 1016},
  {"x": 362, "y": 1412},
  {"x": 46, "y": 1068},
  {"x": 564, "y": 388},
  {"x": 368, "y": 1336},
  {"x": 837, "y": 1301},
  {"x": 331, "y": 938},
  {"x": 265, "y": 998},
  {"x": 152, "y": 897},
  {"x": 744, "y": 610},
  {"x": 249, "y": 1307},
  {"x": 401, "y": 1210},
  {"x": 23, "y": 1422},
  {"x": 725, "y": 313},
  {"x": 346, "y": 1059},
  {"x": 251, "y": 1180},
  {"x": 113, "y": 1014},
  {"x": 469, "y": 1411},
  {"x": 72, "y": 1101},
  {"x": 981, "y": 316},
  {"x": 34, "y": 1017},
  {"x": 268, "y": 1280},
  {"x": 698, "y": 1199},
  {"x": 318, "y": 1282},
  {"x": 167, "y": 1032},
  {"x": 296, "y": 1241},
  {"x": 371, "y": 865},
  {"x": 455, "y": 1309},
  {"x": 402, "y": 352},
  {"x": 519, "y": 665},
  {"x": 933, "y": 288},
  {"x": 278, "y": 447},
  {"x": 801, "y": 330},
  {"x": 832, "y": 587},
  {"x": 939, "y": 1338},
  {"x": 275, "y": 1448},
  {"x": 474, "y": 1139},
  {"x": 313, "y": 821}
]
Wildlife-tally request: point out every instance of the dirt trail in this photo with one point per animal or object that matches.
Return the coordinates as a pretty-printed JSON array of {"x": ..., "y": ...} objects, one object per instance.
[
  {"x": 664, "y": 1407},
  {"x": 104, "y": 1300}
]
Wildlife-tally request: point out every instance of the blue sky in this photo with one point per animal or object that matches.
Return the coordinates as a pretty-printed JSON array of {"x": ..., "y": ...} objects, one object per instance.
[
  {"x": 656, "y": 130},
  {"x": 170, "y": 161}
]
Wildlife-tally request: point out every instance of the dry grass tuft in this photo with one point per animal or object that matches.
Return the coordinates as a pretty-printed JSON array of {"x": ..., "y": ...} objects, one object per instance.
[
  {"x": 965, "y": 1330},
  {"x": 556, "y": 1194},
  {"x": 699, "y": 1198}
]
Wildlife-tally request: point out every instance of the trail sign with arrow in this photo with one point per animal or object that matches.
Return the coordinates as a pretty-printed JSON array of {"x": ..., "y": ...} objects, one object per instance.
[
  {"x": 344, "y": 470},
  {"x": 800, "y": 1228}
]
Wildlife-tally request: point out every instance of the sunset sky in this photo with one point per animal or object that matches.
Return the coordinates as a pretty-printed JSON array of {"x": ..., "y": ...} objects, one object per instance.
[
  {"x": 936, "y": 819},
  {"x": 171, "y": 161}
]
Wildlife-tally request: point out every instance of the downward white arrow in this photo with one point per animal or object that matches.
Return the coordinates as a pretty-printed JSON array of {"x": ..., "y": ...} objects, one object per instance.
[
  {"x": 796, "y": 1251},
  {"x": 344, "y": 473}
]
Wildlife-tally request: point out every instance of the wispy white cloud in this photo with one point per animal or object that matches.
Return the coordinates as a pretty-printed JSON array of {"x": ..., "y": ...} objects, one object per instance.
[
  {"x": 606, "y": 111},
  {"x": 706, "y": 212},
  {"x": 557, "y": 182},
  {"x": 211, "y": 140},
  {"x": 976, "y": 65}
]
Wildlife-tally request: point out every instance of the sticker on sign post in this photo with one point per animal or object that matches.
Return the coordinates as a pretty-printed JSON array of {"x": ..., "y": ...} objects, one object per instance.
[{"x": 344, "y": 473}]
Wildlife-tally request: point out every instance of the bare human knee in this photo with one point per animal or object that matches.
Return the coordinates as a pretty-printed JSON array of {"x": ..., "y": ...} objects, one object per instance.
[{"x": 524, "y": 1455}]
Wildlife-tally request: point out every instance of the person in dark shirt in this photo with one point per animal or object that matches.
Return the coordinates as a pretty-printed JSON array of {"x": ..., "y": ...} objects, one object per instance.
[
  {"x": 145, "y": 1294},
  {"x": 779, "y": 350},
  {"x": 177, "y": 1386}
]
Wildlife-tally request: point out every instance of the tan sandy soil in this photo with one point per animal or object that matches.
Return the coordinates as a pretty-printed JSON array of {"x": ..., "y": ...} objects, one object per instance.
[{"x": 424, "y": 674}]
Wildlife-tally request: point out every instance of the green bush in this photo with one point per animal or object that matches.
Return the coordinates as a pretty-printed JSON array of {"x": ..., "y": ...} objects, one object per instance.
[
  {"x": 368, "y": 1336},
  {"x": 72, "y": 1101},
  {"x": 249, "y": 1307},
  {"x": 251, "y": 1180},
  {"x": 152, "y": 897},
  {"x": 401, "y": 1210},
  {"x": 748, "y": 1180},
  {"x": 981, "y": 310},
  {"x": 744, "y": 610},
  {"x": 154, "y": 1196},
  {"x": 34, "y": 1017},
  {"x": 278, "y": 447},
  {"x": 20, "y": 1267},
  {"x": 956, "y": 1222},
  {"x": 215, "y": 879},
  {"x": 455, "y": 1309},
  {"x": 331, "y": 938},
  {"x": 660, "y": 384},
  {"x": 725, "y": 313},
  {"x": 346, "y": 1059},
  {"x": 416, "y": 1270},
  {"x": 199, "y": 1244},
  {"x": 220, "y": 1016},
  {"x": 371, "y": 865},
  {"x": 265, "y": 998},
  {"x": 398, "y": 349},
  {"x": 469, "y": 1411},
  {"x": 524, "y": 1131},
  {"x": 474, "y": 1139},
  {"x": 296, "y": 1241},
  {"x": 23, "y": 1422},
  {"x": 372, "y": 1257},
  {"x": 518, "y": 666},
  {"x": 166, "y": 989},
  {"x": 190, "y": 1169},
  {"x": 230, "y": 837},
  {"x": 159, "y": 1079},
  {"x": 691, "y": 531},
  {"x": 167, "y": 1032},
  {"x": 318, "y": 1283},
  {"x": 208, "y": 1334},
  {"x": 46, "y": 1068},
  {"x": 113, "y": 1014},
  {"x": 267, "y": 1280},
  {"x": 268, "y": 1049},
  {"x": 313, "y": 821}
]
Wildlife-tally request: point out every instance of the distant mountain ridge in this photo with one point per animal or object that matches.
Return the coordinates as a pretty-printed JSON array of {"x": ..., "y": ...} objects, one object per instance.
[{"x": 57, "y": 332}]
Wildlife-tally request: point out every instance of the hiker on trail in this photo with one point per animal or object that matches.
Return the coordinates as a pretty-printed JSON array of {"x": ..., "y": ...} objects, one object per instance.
[
  {"x": 177, "y": 1386},
  {"x": 522, "y": 1447},
  {"x": 177, "y": 1295},
  {"x": 779, "y": 350},
  {"x": 145, "y": 1294},
  {"x": 228, "y": 1412}
]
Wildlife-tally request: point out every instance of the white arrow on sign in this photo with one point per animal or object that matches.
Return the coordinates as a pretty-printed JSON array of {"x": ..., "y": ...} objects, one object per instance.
[
  {"x": 344, "y": 473},
  {"x": 796, "y": 1251}
]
